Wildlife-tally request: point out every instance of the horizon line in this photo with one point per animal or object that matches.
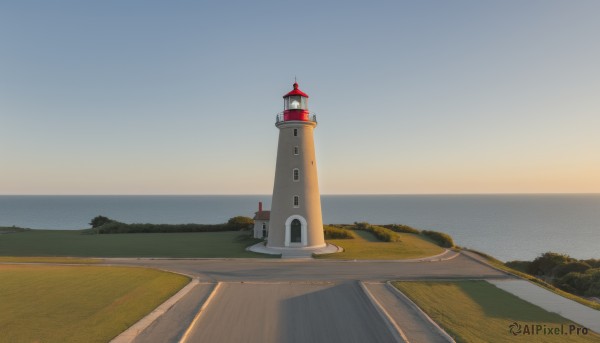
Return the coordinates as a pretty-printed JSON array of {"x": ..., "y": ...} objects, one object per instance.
[{"x": 324, "y": 194}]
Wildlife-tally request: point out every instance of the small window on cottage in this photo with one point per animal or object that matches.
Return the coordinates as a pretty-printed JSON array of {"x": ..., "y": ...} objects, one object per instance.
[
  {"x": 296, "y": 150},
  {"x": 295, "y": 132},
  {"x": 296, "y": 201},
  {"x": 296, "y": 175}
]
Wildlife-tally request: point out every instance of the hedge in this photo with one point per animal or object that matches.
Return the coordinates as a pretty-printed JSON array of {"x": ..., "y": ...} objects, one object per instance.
[
  {"x": 234, "y": 224},
  {"x": 380, "y": 232},
  {"x": 402, "y": 228},
  {"x": 442, "y": 239},
  {"x": 332, "y": 232}
]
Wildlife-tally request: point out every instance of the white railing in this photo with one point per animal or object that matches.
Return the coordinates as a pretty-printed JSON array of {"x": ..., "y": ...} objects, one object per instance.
[{"x": 311, "y": 117}]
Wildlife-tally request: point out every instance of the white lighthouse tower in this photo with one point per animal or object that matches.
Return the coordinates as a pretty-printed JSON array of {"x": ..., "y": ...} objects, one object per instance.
[{"x": 296, "y": 220}]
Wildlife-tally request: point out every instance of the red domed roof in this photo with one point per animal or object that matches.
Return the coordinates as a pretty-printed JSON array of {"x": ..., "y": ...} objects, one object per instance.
[{"x": 296, "y": 91}]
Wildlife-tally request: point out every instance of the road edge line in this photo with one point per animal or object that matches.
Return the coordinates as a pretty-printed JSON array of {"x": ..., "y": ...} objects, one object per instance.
[
  {"x": 212, "y": 294},
  {"x": 133, "y": 331},
  {"x": 396, "y": 331}
]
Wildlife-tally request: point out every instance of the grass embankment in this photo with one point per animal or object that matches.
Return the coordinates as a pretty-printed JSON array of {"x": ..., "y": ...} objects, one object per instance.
[
  {"x": 78, "y": 303},
  {"x": 500, "y": 265},
  {"x": 477, "y": 311},
  {"x": 365, "y": 246},
  {"x": 75, "y": 244}
]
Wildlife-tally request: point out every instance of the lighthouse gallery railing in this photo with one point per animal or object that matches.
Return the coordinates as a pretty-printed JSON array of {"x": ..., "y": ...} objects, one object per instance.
[{"x": 311, "y": 117}]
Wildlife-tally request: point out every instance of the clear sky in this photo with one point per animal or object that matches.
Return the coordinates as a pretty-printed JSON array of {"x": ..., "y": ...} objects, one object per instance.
[{"x": 180, "y": 97}]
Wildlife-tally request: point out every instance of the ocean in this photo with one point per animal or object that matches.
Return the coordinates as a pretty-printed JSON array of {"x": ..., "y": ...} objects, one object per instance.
[{"x": 508, "y": 227}]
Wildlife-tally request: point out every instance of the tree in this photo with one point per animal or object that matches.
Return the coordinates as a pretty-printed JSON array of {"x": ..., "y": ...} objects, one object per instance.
[
  {"x": 240, "y": 223},
  {"x": 99, "y": 221}
]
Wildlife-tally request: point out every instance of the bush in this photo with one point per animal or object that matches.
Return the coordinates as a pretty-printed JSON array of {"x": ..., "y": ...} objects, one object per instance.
[
  {"x": 545, "y": 264},
  {"x": 571, "y": 267},
  {"x": 521, "y": 266},
  {"x": 383, "y": 234},
  {"x": 594, "y": 289},
  {"x": 240, "y": 223},
  {"x": 587, "y": 284},
  {"x": 578, "y": 283},
  {"x": 402, "y": 228},
  {"x": 442, "y": 239},
  {"x": 594, "y": 263},
  {"x": 332, "y": 232},
  {"x": 580, "y": 277},
  {"x": 361, "y": 225}
]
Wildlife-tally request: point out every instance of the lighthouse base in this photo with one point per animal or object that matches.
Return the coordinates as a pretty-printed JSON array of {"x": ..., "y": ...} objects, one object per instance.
[{"x": 304, "y": 252}]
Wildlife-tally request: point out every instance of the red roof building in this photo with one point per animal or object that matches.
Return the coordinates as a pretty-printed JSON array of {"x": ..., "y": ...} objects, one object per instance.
[{"x": 261, "y": 222}]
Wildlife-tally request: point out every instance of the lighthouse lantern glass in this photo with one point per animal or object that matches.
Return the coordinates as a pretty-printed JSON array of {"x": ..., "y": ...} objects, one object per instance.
[{"x": 295, "y": 102}]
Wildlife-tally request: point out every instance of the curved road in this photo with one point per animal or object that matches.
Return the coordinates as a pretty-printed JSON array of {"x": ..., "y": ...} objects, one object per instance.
[{"x": 209, "y": 270}]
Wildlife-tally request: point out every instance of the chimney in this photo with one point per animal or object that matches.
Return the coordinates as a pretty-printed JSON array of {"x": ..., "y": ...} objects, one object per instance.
[{"x": 260, "y": 206}]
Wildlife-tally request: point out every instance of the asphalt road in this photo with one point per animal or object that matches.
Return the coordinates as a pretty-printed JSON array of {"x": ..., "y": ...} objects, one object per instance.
[
  {"x": 267, "y": 300},
  {"x": 170, "y": 327},
  {"x": 317, "y": 270},
  {"x": 290, "y": 312}
]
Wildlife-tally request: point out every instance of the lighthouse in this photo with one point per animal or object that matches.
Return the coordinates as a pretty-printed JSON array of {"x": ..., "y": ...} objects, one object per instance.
[{"x": 295, "y": 219}]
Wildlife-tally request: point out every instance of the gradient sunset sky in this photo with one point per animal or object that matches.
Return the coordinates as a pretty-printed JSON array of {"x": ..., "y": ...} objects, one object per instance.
[{"x": 180, "y": 97}]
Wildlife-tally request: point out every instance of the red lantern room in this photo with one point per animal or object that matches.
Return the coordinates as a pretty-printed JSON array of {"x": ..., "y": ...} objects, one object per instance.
[{"x": 295, "y": 105}]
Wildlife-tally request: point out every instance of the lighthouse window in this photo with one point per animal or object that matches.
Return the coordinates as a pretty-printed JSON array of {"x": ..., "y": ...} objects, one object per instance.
[
  {"x": 295, "y": 132},
  {"x": 296, "y": 201},
  {"x": 296, "y": 150},
  {"x": 296, "y": 174}
]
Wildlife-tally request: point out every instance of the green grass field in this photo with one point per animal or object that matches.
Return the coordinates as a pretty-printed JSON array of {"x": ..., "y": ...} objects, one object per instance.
[
  {"x": 477, "y": 311},
  {"x": 78, "y": 303},
  {"x": 75, "y": 244},
  {"x": 367, "y": 247}
]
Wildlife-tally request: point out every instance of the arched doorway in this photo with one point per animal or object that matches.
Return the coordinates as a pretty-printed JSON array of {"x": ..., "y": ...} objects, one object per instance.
[{"x": 296, "y": 231}]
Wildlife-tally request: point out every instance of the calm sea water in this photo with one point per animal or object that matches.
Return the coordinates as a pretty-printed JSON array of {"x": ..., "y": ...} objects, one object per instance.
[{"x": 506, "y": 226}]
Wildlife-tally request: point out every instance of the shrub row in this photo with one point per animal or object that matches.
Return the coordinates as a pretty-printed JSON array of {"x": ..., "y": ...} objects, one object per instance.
[
  {"x": 13, "y": 228},
  {"x": 581, "y": 277},
  {"x": 402, "y": 228},
  {"x": 442, "y": 239},
  {"x": 380, "y": 232},
  {"x": 332, "y": 232},
  {"x": 521, "y": 266},
  {"x": 586, "y": 283},
  {"x": 112, "y": 226}
]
